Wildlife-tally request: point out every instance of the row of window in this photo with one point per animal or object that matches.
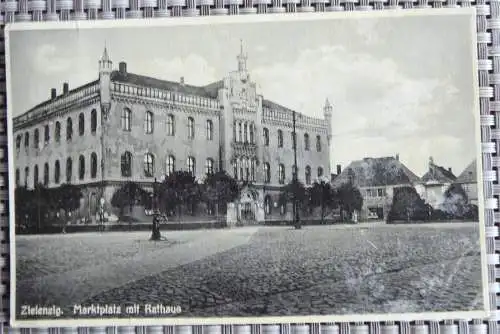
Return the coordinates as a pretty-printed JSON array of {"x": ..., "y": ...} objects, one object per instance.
[
  {"x": 57, "y": 171},
  {"x": 126, "y": 121},
  {"x": 57, "y": 131},
  {"x": 307, "y": 144},
  {"x": 170, "y": 165},
  {"x": 376, "y": 192},
  {"x": 282, "y": 174},
  {"x": 244, "y": 132}
]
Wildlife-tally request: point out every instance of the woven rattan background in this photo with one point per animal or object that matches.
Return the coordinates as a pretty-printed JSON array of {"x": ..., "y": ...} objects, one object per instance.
[{"x": 488, "y": 39}]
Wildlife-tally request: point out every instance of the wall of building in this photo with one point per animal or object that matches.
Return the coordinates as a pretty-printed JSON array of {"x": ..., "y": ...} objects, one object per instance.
[
  {"x": 161, "y": 145},
  {"x": 49, "y": 152}
]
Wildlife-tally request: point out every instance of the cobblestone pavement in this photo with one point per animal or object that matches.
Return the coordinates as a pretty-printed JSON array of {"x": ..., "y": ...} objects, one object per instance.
[{"x": 320, "y": 270}]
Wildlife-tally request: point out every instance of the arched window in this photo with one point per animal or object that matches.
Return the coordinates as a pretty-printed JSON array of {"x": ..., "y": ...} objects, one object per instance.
[
  {"x": 149, "y": 122},
  {"x": 93, "y": 165},
  {"x": 126, "y": 164},
  {"x": 26, "y": 139},
  {"x": 252, "y": 134},
  {"x": 126, "y": 115},
  {"x": 245, "y": 131},
  {"x": 18, "y": 177},
  {"x": 267, "y": 172},
  {"x": 241, "y": 165},
  {"x": 307, "y": 144},
  {"x": 149, "y": 165},
  {"x": 280, "y": 138},
  {"x": 281, "y": 174},
  {"x": 69, "y": 170},
  {"x": 266, "y": 136},
  {"x": 18, "y": 142},
  {"x": 318, "y": 143},
  {"x": 57, "y": 172},
  {"x": 81, "y": 124},
  {"x": 81, "y": 167},
  {"x": 210, "y": 130},
  {"x": 209, "y": 166},
  {"x": 170, "y": 125},
  {"x": 36, "y": 139},
  {"x": 170, "y": 165},
  {"x": 26, "y": 176},
  {"x": 268, "y": 205},
  {"x": 308, "y": 175},
  {"x": 252, "y": 170},
  {"x": 69, "y": 129},
  {"x": 282, "y": 206},
  {"x": 190, "y": 128},
  {"x": 240, "y": 134},
  {"x": 235, "y": 169},
  {"x": 46, "y": 174},
  {"x": 35, "y": 176},
  {"x": 57, "y": 131},
  {"x": 320, "y": 171},
  {"x": 46, "y": 134},
  {"x": 247, "y": 169},
  {"x": 191, "y": 164},
  {"x": 93, "y": 121},
  {"x": 235, "y": 138}
]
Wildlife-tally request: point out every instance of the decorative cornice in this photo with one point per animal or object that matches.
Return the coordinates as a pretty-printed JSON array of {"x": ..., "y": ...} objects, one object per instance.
[
  {"x": 59, "y": 112},
  {"x": 173, "y": 107}
]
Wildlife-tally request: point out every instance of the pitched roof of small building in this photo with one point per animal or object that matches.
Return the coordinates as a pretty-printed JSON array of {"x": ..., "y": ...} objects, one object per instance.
[
  {"x": 374, "y": 172},
  {"x": 438, "y": 173},
  {"x": 469, "y": 175},
  {"x": 210, "y": 90}
]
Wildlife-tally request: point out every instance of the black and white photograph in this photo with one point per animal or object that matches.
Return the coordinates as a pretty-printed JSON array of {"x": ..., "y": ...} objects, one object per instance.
[{"x": 256, "y": 169}]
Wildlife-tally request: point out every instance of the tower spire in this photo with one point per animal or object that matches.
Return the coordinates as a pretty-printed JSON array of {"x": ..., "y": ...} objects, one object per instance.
[{"x": 242, "y": 59}]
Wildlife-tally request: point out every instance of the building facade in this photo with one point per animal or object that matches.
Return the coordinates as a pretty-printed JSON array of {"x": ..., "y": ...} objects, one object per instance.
[
  {"x": 128, "y": 127},
  {"x": 434, "y": 183},
  {"x": 468, "y": 180},
  {"x": 376, "y": 178}
]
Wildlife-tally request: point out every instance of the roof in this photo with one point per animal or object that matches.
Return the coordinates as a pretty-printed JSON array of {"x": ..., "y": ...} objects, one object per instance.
[
  {"x": 373, "y": 172},
  {"x": 276, "y": 106},
  {"x": 439, "y": 174},
  {"x": 209, "y": 91},
  {"x": 58, "y": 97},
  {"x": 469, "y": 174}
]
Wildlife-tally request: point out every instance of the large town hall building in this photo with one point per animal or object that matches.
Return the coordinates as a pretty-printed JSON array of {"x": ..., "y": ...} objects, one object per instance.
[{"x": 129, "y": 127}]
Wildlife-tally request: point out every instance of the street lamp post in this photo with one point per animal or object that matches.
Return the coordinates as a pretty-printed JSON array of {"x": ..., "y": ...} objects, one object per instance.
[
  {"x": 101, "y": 214},
  {"x": 296, "y": 218}
]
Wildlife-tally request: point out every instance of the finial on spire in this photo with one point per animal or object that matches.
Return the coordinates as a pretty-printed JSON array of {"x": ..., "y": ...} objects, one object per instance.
[
  {"x": 242, "y": 59},
  {"x": 105, "y": 56}
]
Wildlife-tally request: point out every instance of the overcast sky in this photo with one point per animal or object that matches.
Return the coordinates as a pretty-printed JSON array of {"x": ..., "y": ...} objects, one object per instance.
[{"x": 398, "y": 84}]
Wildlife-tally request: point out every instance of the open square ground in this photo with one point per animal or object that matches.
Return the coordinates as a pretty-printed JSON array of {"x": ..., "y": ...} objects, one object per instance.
[{"x": 259, "y": 271}]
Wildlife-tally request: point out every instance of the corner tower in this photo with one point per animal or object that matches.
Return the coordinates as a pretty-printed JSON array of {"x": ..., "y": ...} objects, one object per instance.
[
  {"x": 105, "y": 69},
  {"x": 327, "y": 111}
]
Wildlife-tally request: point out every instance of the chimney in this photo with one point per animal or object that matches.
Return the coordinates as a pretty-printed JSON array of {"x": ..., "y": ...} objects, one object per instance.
[
  {"x": 182, "y": 81},
  {"x": 53, "y": 93},
  {"x": 397, "y": 156},
  {"x": 122, "y": 67},
  {"x": 339, "y": 169},
  {"x": 449, "y": 170},
  {"x": 65, "y": 88}
]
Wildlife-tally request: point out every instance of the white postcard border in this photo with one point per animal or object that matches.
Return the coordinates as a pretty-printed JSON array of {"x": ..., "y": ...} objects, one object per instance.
[{"x": 244, "y": 19}]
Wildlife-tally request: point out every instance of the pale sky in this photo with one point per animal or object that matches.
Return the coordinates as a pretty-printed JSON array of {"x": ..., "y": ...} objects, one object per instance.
[{"x": 398, "y": 84}]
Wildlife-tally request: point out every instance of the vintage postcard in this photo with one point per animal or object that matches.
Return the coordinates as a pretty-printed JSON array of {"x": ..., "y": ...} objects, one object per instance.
[{"x": 260, "y": 169}]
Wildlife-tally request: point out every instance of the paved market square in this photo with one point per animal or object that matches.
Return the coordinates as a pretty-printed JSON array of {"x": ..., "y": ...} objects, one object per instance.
[{"x": 259, "y": 271}]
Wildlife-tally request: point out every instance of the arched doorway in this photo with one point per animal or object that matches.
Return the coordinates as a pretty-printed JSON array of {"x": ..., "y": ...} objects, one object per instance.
[
  {"x": 92, "y": 207},
  {"x": 247, "y": 206}
]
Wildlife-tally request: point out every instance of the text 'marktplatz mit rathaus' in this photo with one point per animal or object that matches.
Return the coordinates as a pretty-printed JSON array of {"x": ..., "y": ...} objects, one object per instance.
[{"x": 128, "y": 127}]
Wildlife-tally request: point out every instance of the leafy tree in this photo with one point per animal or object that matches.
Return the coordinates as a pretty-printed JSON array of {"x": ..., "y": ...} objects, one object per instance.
[
  {"x": 349, "y": 198},
  {"x": 179, "y": 188},
  {"x": 407, "y": 205},
  {"x": 129, "y": 195},
  {"x": 322, "y": 196},
  {"x": 455, "y": 203},
  {"x": 220, "y": 188}
]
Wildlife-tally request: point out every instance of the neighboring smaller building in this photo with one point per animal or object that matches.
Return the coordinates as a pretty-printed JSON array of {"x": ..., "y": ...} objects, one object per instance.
[
  {"x": 434, "y": 183},
  {"x": 376, "y": 179},
  {"x": 468, "y": 180}
]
